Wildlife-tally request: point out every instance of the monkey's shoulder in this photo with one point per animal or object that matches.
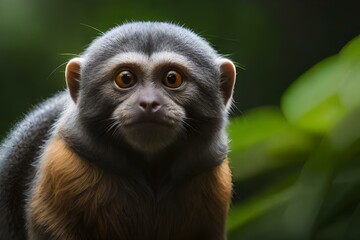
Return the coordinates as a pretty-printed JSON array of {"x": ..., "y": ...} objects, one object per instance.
[
  {"x": 33, "y": 128},
  {"x": 22, "y": 146}
]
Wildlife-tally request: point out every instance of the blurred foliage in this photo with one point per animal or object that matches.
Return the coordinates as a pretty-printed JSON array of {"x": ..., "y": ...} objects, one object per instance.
[{"x": 298, "y": 167}]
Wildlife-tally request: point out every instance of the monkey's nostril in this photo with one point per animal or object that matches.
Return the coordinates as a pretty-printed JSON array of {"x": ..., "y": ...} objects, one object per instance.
[
  {"x": 143, "y": 105},
  {"x": 155, "y": 106},
  {"x": 150, "y": 107}
]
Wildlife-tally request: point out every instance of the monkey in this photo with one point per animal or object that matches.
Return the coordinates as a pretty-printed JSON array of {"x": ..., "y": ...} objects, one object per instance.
[{"x": 135, "y": 148}]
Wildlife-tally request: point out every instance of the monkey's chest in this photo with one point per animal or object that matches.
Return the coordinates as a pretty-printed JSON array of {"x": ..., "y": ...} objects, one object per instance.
[
  {"x": 136, "y": 215},
  {"x": 129, "y": 214},
  {"x": 126, "y": 211},
  {"x": 72, "y": 199}
]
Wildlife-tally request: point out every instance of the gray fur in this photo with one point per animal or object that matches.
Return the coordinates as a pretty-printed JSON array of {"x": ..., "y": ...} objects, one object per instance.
[
  {"x": 17, "y": 155},
  {"x": 201, "y": 145},
  {"x": 96, "y": 101}
]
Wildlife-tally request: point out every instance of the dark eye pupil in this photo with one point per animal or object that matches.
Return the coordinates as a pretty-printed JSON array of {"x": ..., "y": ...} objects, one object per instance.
[
  {"x": 126, "y": 78},
  {"x": 171, "y": 78}
]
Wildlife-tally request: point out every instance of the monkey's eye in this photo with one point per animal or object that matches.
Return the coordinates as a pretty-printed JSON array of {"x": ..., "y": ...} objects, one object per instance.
[
  {"x": 125, "y": 79},
  {"x": 172, "y": 79}
]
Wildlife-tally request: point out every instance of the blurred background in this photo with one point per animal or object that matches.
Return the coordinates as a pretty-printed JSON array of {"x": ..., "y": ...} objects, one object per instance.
[{"x": 295, "y": 125}]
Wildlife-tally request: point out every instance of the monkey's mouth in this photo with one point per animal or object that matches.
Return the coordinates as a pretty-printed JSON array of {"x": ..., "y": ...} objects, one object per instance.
[
  {"x": 150, "y": 134},
  {"x": 151, "y": 121},
  {"x": 146, "y": 127}
]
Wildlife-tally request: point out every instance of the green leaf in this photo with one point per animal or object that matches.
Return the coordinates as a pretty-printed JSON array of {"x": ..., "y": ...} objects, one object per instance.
[
  {"x": 347, "y": 132},
  {"x": 349, "y": 91},
  {"x": 317, "y": 177},
  {"x": 311, "y": 102},
  {"x": 263, "y": 140},
  {"x": 246, "y": 212},
  {"x": 256, "y": 125},
  {"x": 309, "y": 193},
  {"x": 351, "y": 51},
  {"x": 322, "y": 96},
  {"x": 322, "y": 117}
]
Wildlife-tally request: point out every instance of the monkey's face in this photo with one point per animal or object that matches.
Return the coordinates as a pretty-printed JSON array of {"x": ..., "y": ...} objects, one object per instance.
[
  {"x": 146, "y": 100},
  {"x": 150, "y": 92},
  {"x": 149, "y": 87}
]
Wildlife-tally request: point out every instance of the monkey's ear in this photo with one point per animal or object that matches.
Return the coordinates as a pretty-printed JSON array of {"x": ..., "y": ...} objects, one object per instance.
[
  {"x": 228, "y": 78},
  {"x": 72, "y": 76}
]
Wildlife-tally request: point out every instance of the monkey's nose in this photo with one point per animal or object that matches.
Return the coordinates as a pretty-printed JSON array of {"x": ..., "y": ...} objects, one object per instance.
[{"x": 149, "y": 106}]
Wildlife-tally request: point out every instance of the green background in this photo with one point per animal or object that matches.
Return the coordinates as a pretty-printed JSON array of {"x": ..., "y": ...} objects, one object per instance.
[{"x": 295, "y": 128}]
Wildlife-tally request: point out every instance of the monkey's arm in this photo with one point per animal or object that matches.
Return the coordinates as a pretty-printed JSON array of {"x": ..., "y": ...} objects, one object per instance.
[{"x": 17, "y": 154}]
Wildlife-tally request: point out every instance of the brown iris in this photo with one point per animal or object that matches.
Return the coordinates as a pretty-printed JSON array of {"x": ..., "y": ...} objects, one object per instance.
[
  {"x": 125, "y": 79},
  {"x": 172, "y": 79}
]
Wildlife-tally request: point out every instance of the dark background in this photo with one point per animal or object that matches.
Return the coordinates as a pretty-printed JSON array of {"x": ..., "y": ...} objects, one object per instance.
[{"x": 274, "y": 41}]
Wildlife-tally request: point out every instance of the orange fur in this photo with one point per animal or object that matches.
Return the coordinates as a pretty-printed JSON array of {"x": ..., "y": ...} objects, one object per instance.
[{"x": 74, "y": 199}]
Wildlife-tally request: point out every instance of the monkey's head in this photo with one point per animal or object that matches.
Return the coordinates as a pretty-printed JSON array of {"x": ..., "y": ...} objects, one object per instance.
[{"x": 151, "y": 85}]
